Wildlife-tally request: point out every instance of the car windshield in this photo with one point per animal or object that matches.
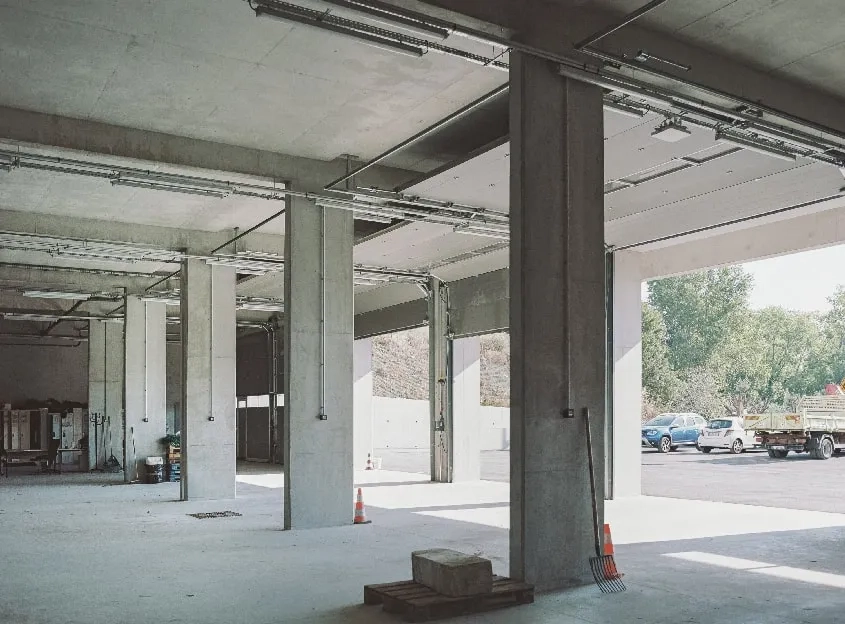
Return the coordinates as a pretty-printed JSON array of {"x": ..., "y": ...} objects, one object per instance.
[
  {"x": 663, "y": 420},
  {"x": 720, "y": 424}
]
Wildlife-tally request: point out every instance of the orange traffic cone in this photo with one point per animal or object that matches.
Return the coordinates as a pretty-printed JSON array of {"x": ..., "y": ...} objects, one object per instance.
[
  {"x": 610, "y": 566},
  {"x": 369, "y": 462},
  {"x": 360, "y": 515}
]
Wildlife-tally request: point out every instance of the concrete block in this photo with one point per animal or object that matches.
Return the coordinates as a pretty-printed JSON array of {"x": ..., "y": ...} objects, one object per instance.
[{"x": 452, "y": 573}]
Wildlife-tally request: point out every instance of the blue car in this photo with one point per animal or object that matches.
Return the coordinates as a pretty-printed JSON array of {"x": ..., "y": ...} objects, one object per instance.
[{"x": 669, "y": 431}]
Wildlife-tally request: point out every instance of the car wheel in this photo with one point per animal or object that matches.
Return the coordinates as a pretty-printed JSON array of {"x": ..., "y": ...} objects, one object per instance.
[
  {"x": 705, "y": 449},
  {"x": 665, "y": 445},
  {"x": 736, "y": 447}
]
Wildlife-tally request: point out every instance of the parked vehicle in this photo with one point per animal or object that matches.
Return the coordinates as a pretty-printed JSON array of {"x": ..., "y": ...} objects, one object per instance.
[
  {"x": 667, "y": 432},
  {"x": 817, "y": 428},
  {"x": 729, "y": 434}
]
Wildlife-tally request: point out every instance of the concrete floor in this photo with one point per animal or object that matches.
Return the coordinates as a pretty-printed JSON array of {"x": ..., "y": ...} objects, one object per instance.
[
  {"x": 88, "y": 549},
  {"x": 752, "y": 478}
]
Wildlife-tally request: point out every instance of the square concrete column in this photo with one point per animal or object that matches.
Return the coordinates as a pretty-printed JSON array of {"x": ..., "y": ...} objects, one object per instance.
[
  {"x": 439, "y": 377},
  {"x": 145, "y": 382},
  {"x": 208, "y": 381},
  {"x": 557, "y": 321},
  {"x": 362, "y": 412},
  {"x": 625, "y": 424},
  {"x": 466, "y": 409},
  {"x": 96, "y": 388},
  {"x": 318, "y": 349},
  {"x": 105, "y": 393}
]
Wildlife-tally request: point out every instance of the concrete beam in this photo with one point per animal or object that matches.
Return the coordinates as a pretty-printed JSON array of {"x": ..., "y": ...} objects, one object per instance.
[
  {"x": 99, "y": 138},
  {"x": 766, "y": 240},
  {"x": 196, "y": 241}
]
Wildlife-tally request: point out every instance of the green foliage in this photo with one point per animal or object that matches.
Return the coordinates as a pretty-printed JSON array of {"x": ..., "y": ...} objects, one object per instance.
[
  {"x": 700, "y": 311},
  {"x": 659, "y": 380},
  {"x": 706, "y": 351}
]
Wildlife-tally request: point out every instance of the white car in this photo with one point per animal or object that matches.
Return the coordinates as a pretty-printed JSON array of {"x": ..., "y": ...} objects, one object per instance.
[{"x": 726, "y": 433}]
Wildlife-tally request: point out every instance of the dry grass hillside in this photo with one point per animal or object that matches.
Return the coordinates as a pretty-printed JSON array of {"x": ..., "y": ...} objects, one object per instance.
[{"x": 400, "y": 366}]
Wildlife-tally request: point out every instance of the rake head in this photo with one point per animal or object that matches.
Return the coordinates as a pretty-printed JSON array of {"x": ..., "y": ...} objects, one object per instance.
[{"x": 606, "y": 575}]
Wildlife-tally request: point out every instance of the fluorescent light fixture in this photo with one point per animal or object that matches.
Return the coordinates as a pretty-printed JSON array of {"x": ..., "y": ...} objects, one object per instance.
[
  {"x": 671, "y": 131},
  {"x": 318, "y": 19},
  {"x": 56, "y": 294},
  {"x": 173, "y": 188},
  {"x": 385, "y": 16},
  {"x": 262, "y": 305},
  {"x": 755, "y": 146},
  {"x": 625, "y": 109}
]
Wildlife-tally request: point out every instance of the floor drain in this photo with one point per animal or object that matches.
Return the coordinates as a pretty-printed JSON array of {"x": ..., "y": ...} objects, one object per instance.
[{"x": 214, "y": 514}]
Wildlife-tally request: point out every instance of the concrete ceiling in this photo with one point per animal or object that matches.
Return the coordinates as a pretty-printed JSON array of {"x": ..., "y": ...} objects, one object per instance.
[
  {"x": 210, "y": 69},
  {"x": 802, "y": 40}
]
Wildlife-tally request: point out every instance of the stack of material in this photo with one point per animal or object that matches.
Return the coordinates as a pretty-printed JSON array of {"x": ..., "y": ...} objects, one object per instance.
[
  {"x": 448, "y": 583},
  {"x": 174, "y": 463}
]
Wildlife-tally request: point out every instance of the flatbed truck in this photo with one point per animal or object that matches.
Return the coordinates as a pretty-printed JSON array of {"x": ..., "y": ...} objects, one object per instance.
[{"x": 817, "y": 427}]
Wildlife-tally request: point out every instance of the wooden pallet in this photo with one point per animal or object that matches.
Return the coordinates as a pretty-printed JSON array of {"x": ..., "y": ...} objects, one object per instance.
[{"x": 418, "y": 603}]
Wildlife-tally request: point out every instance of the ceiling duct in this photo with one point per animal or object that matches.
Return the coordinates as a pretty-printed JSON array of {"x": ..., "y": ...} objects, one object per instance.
[
  {"x": 387, "y": 15},
  {"x": 755, "y": 145}
]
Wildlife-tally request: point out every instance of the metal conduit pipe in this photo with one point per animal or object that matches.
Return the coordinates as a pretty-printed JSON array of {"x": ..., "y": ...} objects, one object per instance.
[
  {"x": 279, "y": 194},
  {"x": 659, "y": 96}
]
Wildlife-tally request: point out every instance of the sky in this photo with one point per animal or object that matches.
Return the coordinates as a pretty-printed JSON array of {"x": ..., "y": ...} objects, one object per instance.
[{"x": 801, "y": 281}]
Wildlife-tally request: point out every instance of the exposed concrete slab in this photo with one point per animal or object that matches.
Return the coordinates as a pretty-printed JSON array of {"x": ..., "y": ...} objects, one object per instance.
[{"x": 251, "y": 557}]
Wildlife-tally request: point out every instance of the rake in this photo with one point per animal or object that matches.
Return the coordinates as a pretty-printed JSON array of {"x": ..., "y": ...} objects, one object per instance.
[{"x": 603, "y": 566}]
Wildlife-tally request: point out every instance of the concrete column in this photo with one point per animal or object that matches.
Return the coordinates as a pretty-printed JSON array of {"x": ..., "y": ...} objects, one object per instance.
[
  {"x": 625, "y": 461},
  {"x": 145, "y": 381},
  {"x": 318, "y": 439},
  {"x": 96, "y": 388},
  {"x": 208, "y": 381},
  {"x": 112, "y": 430},
  {"x": 362, "y": 426},
  {"x": 557, "y": 321},
  {"x": 466, "y": 409},
  {"x": 439, "y": 391}
]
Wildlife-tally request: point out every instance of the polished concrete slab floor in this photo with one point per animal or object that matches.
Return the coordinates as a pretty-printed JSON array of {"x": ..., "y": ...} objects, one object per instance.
[{"x": 88, "y": 549}]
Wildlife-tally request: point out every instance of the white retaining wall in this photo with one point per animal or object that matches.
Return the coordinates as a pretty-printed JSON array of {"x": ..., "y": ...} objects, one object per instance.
[{"x": 404, "y": 424}]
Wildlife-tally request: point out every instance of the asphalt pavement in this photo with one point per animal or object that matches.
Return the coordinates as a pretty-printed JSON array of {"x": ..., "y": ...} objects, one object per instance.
[{"x": 752, "y": 478}]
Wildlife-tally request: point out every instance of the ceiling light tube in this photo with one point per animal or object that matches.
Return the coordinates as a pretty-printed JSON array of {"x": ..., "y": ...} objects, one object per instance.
[
  {"x": 384, "y": 16},
  {"x": 156, "y": 186},
  {"x": 56, "y": 294},
  {"x": 755, "y": 146},
  {"x": 285, "y": 14}
]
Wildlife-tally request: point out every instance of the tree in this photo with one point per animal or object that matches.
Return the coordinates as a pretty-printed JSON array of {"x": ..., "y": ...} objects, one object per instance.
[
  {"x": 659, "y": 380},
  {"x": 700, "y": 311},
  {"x": 699, "y": 392}
]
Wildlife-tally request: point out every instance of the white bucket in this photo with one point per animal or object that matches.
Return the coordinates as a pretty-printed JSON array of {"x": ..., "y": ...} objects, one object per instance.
[{"x": 154, "y": 461}]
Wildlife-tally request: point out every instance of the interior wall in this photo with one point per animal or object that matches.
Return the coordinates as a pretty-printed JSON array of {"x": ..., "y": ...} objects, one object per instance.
[{"x": 41, "y": 373}]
